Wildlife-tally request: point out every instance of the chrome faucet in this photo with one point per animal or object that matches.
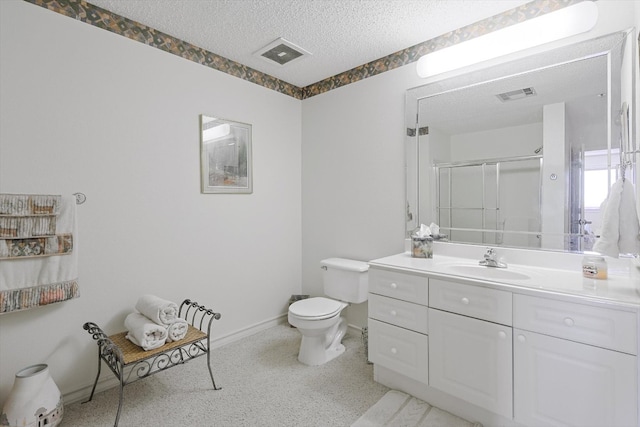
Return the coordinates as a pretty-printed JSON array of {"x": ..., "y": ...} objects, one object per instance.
[{"x": 491, "y": 259}]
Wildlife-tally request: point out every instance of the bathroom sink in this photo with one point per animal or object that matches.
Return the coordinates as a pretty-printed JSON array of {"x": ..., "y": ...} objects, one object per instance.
[{"x": 487, "y": 272}]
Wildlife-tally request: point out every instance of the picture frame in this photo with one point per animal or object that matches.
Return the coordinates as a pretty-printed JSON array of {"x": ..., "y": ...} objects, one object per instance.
[{"x": 225, "y": 156}]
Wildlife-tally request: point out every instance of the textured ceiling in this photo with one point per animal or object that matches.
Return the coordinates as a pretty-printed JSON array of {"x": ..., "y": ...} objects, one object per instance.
[{"x": 340, "y": 34}]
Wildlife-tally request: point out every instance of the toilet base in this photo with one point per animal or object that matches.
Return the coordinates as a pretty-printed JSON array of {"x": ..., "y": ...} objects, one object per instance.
[{"x": 318, "y": 350}]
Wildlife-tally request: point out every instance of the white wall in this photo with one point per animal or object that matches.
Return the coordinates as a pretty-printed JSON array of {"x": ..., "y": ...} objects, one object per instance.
[
  {"x": 85, "y": 110},
  {"x": 434, "y": 148},
  {"x": 512, "y": 141},
  {"x": 353, "y": 176}
]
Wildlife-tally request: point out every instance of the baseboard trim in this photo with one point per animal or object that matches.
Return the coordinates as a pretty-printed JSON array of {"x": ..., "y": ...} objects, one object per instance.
[
  {"x": 247, "y": 332},
  {"x": 108, "y": 380},
  {"x": 355, "y": 328}
]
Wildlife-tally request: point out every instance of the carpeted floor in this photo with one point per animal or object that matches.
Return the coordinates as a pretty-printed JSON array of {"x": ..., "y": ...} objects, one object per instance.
[{"x": 263, "y": 384}]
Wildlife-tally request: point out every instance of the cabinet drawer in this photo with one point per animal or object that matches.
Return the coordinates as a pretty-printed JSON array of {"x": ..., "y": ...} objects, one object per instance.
[
  {"x": 602, "y": 327},
  {"x": 399, "y": 349},
  {"x": 400, "y": 313},
  {"x": 474, "y": 301},
  {"x": 402, "y": 286}
]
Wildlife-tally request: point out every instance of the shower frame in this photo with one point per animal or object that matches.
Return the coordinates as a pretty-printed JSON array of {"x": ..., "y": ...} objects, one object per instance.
[{"x": 483, "y": 163}]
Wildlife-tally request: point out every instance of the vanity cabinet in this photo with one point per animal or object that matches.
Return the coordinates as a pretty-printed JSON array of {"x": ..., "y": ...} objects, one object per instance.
[
  {"x": 398, "y": 323},
  {"x": 574, "y": 365},
  {"x": 470, "y": 344},
  {"x": 521, "y": 356}
]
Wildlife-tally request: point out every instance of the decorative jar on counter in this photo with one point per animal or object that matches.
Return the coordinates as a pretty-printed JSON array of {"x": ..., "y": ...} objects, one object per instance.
[{"x": 422, "y": 247}]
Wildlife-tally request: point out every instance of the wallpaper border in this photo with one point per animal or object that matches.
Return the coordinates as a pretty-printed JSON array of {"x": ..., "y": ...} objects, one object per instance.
[{"x": 106, "y": 20}]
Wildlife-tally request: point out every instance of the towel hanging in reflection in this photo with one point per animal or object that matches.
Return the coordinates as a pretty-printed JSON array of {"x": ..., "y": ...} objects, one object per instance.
[{"x": 620, "y": 225}]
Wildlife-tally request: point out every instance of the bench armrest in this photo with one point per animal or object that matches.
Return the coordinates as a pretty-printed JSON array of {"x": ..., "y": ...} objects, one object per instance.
[
  {"x": 198, "y": 315},
  {"x": 108, "y": 351}
]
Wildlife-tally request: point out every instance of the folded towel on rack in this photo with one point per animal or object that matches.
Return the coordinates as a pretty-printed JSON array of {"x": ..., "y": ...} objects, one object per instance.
[
  {"x": 177, "y": 330},
  {"x": 143, "y": 332},
  {"x": 620, "y": 225},
  {"x": 159, "y": 310}
]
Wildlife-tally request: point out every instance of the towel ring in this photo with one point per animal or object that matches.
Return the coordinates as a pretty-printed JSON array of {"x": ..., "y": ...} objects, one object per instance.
[{"x": 80, "y": 198}]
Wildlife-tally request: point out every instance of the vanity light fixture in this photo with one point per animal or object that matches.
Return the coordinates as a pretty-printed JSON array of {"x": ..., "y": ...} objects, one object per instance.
[{"x": 569, "y": 21}]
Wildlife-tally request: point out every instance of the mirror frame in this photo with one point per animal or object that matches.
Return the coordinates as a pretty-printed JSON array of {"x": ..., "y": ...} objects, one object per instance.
[{"x": 612, "y": 45}]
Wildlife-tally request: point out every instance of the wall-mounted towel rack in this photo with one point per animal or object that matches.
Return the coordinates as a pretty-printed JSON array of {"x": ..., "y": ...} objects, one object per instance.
[
  {"x": 628, "y": 147},
  {"x": 80, "y": 198}
]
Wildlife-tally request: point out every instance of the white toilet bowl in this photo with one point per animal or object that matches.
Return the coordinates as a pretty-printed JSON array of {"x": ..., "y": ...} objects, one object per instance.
[{"x": 318, "y": 320}]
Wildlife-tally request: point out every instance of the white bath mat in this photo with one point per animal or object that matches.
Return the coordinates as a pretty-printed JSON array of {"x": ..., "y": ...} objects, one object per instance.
[{"x": 399, "y": 409}]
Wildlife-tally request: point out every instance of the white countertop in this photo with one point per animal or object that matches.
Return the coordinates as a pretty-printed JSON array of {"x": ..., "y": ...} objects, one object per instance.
[{"x": 622, "y": 287}]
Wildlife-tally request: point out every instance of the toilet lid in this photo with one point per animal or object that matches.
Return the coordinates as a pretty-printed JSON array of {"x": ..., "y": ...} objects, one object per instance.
[{"x": 316, "y": 308}]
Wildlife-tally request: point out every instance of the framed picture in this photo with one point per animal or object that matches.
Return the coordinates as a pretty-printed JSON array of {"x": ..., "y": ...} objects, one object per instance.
[{"x": 225, "y": 156}]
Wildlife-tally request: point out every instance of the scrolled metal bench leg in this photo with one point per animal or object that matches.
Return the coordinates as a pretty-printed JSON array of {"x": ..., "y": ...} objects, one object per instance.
[
  {"x": 95, "y": 383},
  {"x": 120, "y": 402},
  {"x": 211, "y": 373}
]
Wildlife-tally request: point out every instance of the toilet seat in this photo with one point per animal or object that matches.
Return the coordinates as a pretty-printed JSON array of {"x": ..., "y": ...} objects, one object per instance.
[{"x": 316, "y": 308}]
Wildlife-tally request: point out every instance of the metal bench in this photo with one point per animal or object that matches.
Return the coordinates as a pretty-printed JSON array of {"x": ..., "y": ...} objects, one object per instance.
[{"x": 120, "y": 354}]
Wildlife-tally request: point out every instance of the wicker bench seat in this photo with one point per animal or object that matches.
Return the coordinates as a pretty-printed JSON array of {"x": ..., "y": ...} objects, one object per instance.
[
  {"x": 132, "y": 353},
  {"x": 130, "y": 363}
]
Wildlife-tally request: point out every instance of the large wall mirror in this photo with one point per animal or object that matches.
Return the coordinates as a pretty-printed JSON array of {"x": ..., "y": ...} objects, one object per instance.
[{"x": 523, "y": 154}]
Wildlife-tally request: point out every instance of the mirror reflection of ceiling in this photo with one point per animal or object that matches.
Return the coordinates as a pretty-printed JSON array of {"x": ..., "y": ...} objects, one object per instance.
[
  {"x": 582, "y": 81},
  {"x": 588, "y": 77}
]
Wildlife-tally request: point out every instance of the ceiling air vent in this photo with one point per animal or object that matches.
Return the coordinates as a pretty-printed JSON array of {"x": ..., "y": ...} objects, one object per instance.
[
  {"x": 282, "y": 52},
  {"x": 516, "y": 94}
]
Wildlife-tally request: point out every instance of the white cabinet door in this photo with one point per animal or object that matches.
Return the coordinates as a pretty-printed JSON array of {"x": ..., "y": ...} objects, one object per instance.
[
  {"x": 563, "y": 383},
  {"x": 471, "y": 359}
]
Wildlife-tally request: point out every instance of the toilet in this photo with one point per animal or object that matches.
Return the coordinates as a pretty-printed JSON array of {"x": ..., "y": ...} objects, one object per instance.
[{"x": 318, "y": 319}]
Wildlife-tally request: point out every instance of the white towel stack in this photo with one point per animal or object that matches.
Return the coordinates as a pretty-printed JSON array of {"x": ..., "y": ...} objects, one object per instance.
[{"x": 155, "y": 323}]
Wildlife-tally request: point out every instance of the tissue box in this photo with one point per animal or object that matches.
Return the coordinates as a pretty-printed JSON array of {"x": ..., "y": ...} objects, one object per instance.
[{"x": 422, "y": 247}]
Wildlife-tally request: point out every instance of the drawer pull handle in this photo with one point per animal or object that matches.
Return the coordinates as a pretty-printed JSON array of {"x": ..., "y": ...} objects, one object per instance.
[
  {"x": 465, "y": 301},
  {"x": 568, "y": 321},
  {"x": 393, "y": 286},
  {"x": 393, "y": 350},
  {"x": 502, "y": 334},
  {"x": 521, "y": 338},
  {"x": 393, "y": 313}
]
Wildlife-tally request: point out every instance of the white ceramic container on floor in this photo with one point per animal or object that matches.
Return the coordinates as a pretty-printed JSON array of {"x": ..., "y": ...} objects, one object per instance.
[{"x": 34, "y": 400}]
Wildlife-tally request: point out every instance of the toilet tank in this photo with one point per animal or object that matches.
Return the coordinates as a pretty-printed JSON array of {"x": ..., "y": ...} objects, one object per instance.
[{"x": 345, "y": 279}]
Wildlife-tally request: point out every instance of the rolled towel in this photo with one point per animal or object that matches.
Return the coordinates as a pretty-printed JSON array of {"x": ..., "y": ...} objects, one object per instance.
[
  {"x": 143, "y": 332},
  {"x": 161, "y": 311},
  {"x": 177, "y": 330}
]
